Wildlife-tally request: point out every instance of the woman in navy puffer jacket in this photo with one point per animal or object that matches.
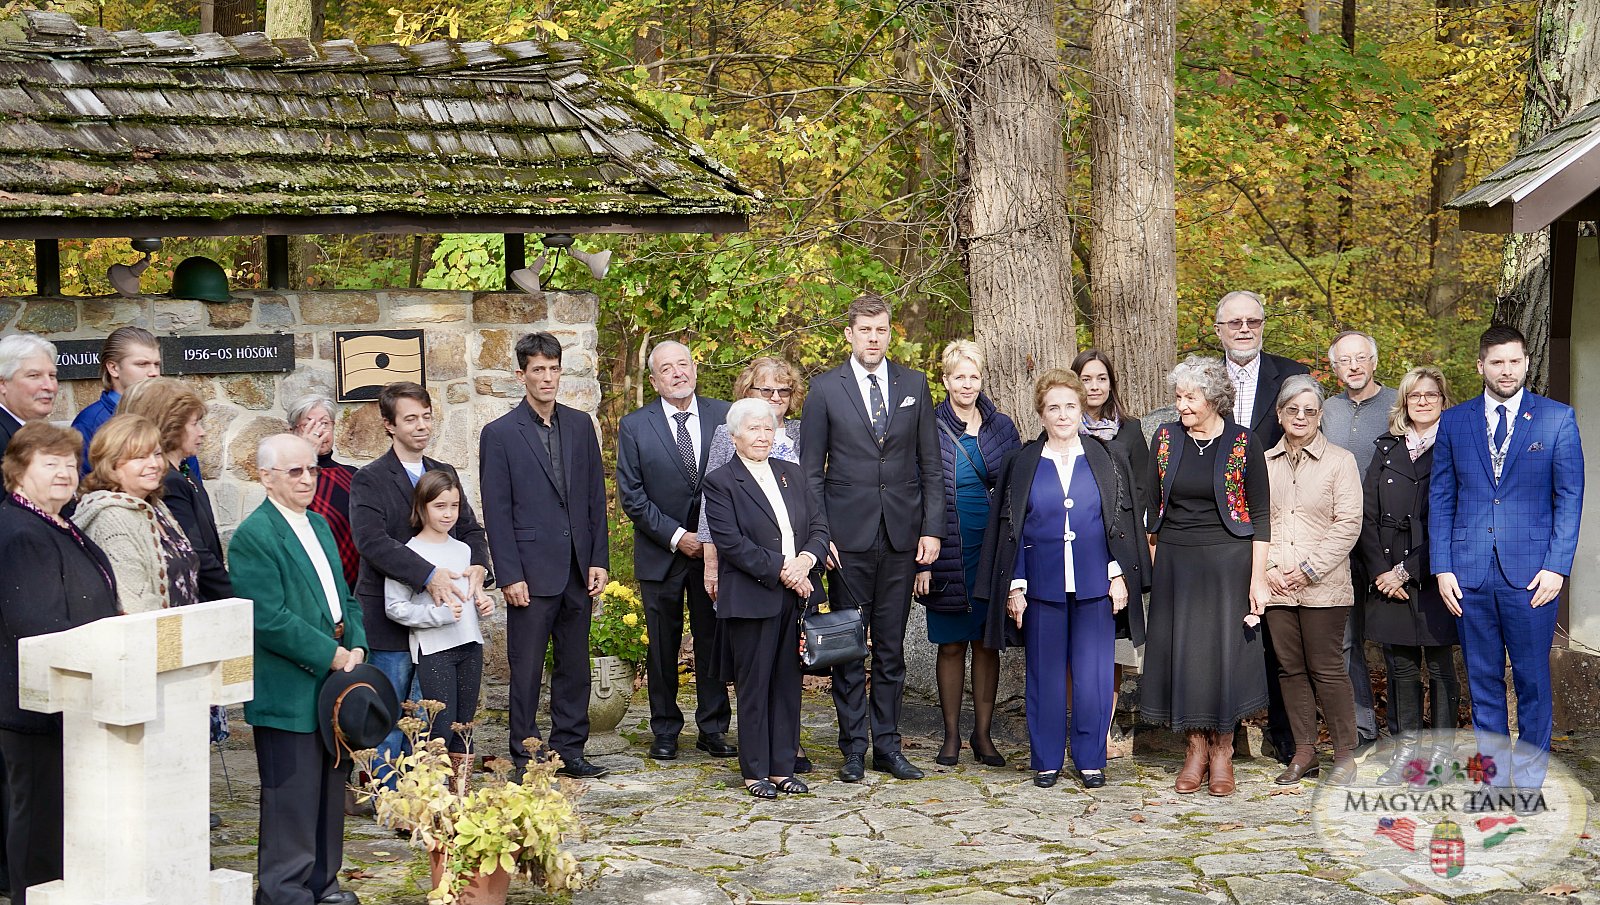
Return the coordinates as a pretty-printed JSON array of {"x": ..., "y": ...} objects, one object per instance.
[{"x": 974, "y": 438}]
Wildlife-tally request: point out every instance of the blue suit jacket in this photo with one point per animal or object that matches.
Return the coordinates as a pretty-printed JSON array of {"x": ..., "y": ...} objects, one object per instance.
[
  {"x": 538, "y": 531},
  {"x": 1530, "y": 519}
]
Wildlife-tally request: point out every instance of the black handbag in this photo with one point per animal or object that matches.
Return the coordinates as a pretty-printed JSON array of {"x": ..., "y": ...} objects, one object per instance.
[{"x": 835, "y": 637}]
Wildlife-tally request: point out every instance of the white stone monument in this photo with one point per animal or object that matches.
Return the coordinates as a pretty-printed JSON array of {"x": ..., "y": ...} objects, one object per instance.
[{"x": 134, "y": 693}]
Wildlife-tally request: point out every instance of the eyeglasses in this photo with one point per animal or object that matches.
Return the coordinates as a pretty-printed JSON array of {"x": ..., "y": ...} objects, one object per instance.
[
  {"x": 1239, "y": 323},
  {"x": 769, "y": 392},
  {"x": 298, "y": 472},
  {"x": 1424, "y": 397},
  {"x": 1349, "y": 360},
  {"x": 1295, "y": 411}
]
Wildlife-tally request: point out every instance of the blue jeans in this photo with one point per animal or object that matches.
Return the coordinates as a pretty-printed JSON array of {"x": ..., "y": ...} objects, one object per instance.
[{"x": 402, "y": 673}]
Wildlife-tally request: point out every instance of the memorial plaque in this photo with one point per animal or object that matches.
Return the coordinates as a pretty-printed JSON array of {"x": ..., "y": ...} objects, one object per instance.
[
  {"x": 226, "y": 353},
  {"x": 78, "y": 359},
  {"x": 367, "y": 360}
]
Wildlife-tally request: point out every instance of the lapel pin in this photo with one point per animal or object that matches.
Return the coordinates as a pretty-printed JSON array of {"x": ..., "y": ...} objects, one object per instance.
[{"x": 1527, "y": 416}]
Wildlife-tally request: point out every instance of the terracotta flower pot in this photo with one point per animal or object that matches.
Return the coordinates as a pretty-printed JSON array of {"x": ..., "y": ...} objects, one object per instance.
[{"x": 483, "y": 889}]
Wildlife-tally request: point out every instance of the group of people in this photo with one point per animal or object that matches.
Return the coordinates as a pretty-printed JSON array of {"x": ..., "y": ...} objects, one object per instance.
[{"x": 1274, "y": 529}]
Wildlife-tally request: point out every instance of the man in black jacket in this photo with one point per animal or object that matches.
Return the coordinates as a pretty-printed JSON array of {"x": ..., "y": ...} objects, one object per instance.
[
  {"x": 870, "y": 448},
  {"x": 661, "y": 460},
  {"x": 380, "y": 525}
]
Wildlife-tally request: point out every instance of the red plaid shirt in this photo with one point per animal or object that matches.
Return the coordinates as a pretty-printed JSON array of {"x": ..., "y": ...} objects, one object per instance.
[{"x": 332, "y": 502}]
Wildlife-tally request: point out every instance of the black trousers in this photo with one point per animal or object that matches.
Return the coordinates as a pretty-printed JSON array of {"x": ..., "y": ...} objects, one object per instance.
[
  {"x": 881, "y": 580},
  {"x": 452, "y": 677},
  {"x": 561, "y": 623},
  {"x": 663, "y": 618},
  {"x": 1277, "y": 730},
  {"x": 35, "y": 798},
  {"x": 766, "y": 671},
  {"x": 1405, "y": 687},
  {"x": 302, "y": 818}
]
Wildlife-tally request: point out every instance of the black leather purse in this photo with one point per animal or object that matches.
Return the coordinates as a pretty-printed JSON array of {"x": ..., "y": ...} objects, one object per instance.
[{"x": 835, "y": 637}]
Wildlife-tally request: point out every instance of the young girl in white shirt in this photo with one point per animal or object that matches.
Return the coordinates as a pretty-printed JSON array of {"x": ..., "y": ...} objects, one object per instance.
[{"x": 446, "y": 641}]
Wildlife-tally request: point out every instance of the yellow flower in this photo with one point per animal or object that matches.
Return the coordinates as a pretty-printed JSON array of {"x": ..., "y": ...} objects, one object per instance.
[
  {"x": 629, "y": 619},
  {"x": 645, "y": 637}
]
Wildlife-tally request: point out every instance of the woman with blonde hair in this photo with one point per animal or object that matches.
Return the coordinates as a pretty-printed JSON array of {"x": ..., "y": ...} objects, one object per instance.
[
  {"x": 1403, "y": 608},
  {"x": 156, "y": 567},
  {"x": 974, "y": 439}
]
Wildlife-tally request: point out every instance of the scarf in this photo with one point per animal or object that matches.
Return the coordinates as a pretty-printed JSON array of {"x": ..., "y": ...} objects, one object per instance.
[
  {"x": 1417, "y": 444},
  {"x": 1101, "y": 428}
]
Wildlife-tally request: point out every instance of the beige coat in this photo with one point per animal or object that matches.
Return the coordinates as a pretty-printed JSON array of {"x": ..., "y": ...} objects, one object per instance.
[
  {"x": 125, "y": 528},
  {"x": 1316, "y": 519}
]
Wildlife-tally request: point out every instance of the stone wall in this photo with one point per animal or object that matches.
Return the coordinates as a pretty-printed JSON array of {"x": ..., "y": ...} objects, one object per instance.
[{"x": 468, "y": 338}]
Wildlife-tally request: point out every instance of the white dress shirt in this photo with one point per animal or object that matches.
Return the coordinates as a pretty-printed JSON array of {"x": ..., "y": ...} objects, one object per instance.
[
  {"x": 865, "y": 387},
  {"x": 1064, "y": 463},
  {"x": 1513, "y": 406},
  {"x": 301, "y": 525},
  {"x": 768, "y": 482},
  {"x": 1245, "y": 377},
  {"x": 693, "y": 427}
]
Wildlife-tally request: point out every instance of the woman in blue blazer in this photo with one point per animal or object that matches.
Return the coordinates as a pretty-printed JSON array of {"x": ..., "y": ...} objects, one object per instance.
[
  {"x": 769, "y": 540},
  {"x": 1064, "y": 551}
]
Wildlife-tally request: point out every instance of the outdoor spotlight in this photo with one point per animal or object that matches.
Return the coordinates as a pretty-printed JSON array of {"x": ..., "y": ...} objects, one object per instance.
[{"x": 125, "y": 277}]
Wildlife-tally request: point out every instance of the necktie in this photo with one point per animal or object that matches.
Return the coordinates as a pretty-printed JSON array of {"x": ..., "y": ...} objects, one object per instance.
[
  {"x": 880, "y": 412},
  {"x": 1500, "y": 428},
  {"x": 685, "y": 445}
]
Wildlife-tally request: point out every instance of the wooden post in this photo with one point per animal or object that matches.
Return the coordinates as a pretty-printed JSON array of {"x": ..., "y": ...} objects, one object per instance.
[
  {"x": 277, "y": 262},
  {"x": 516, "y": 256},
  {"x": 47, "y": 266}
]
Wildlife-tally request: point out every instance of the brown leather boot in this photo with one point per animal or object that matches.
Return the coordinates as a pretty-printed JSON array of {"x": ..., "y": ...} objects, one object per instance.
[
  {"x": 1222, "y": 783},
  {"x": 1193, "y": 772}
]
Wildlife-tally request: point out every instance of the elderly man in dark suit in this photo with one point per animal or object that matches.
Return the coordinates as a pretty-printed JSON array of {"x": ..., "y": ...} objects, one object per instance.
[
  {"x": 27, "y": 382},
  {"x": 870, "y": 448},
  {"x": 544, "y": 504},
  {"x": 1257, "y": 377},
  {"x": 307, "y": 624},
  {"x": 380, "y": 524},
  {"x": 661, "y": 460}
]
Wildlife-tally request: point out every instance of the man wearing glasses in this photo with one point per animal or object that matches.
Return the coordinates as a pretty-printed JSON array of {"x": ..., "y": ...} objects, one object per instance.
[
  {"x": 661, "y": 460},
  {"x": 1257, "y": 376},
  {"x": 1354, "y": 420},
  {"x": 380, "y": 523}
]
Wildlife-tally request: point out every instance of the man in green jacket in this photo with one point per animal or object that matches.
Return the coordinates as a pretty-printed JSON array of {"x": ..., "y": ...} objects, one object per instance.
[{"x": 307, "y": 625}]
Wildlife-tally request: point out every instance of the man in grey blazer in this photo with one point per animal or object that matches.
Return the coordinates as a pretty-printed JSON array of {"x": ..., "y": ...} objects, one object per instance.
[
  {"x": 661, "y": 460},
  {"x": 870, "y": 449}
]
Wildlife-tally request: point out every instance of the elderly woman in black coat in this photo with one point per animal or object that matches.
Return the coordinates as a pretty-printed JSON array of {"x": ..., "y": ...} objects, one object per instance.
[
  {"x": 974, "y": 439},
  {"x": 67, "y": 582},
  {"x": 1403, "y": 608},
  {"x": 1064, "y": 551},
  {"x": 769, "y": 540}
]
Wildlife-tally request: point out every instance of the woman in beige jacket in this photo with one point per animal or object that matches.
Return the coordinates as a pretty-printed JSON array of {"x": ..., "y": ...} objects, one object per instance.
[
  {"x": 121, "y": 511},
  {"x": 1316, "y": 520}
]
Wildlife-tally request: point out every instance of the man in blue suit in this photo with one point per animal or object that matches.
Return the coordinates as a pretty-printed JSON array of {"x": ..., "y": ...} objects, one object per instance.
[
  {"x": 1506, "y": 496},
  {"x": 544, "y": 506}
]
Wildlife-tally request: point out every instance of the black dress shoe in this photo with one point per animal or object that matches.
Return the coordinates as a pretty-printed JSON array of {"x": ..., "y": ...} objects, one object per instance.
[
  {"x": 1092, "y": 779},
  {"x": 896, "y": 765},
  {"x": 341, "y": 897},
  {"x": 216, "y": 821},
  {"x": 1295, "y": 771},
  {"x": 664, "y": 748},
  {"x": 716, "y": 744},
  {"x": 852, "y": 771},
  {"x": 578, "y": 768},
  {"x": 1044, "y": 779}
]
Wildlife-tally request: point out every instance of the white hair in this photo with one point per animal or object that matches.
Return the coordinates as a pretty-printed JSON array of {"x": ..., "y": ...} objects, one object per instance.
[
  {"x": 667, "y": 343},
  {"x": 741, "y": 413},
  {"x": 1371, "y": 343},
  {"x": 309, "y": 403},
  {"x": 272, "y": 448},
  {"x": 1240, "y": 294},
  {"x": 1294, "y": 385},
  {"x": 19, "y": 347},
  {"x": 1209, "y": 376}
]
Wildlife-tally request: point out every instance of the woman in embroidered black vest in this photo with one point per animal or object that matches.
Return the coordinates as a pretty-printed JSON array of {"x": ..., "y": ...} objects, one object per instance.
[
  {"x": 1063, "y": 550},
  {"x": 1211, "y": 527}
]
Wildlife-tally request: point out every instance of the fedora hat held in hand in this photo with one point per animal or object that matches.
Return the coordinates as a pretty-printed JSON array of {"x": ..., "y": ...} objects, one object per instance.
[{"x": 355, "y": 710}]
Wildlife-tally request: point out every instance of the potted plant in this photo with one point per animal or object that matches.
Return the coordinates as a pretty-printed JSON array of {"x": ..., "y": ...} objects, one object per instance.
[
  {"x": 618, "y": 642},
  {"x": 477, "y": 835}
]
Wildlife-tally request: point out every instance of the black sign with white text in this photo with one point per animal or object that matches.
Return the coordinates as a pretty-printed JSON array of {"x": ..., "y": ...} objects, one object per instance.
[
  {"x": 78, "y": 359},
  {"x": 224, "y": 354}
]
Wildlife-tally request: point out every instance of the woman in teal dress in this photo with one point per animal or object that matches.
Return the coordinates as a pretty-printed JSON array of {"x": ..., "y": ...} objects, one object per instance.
[{"x": 974, "y": 438}]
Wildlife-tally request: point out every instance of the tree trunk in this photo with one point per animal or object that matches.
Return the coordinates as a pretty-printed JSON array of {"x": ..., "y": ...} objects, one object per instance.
[
  {"x": 1564, "y": 75},
  {"x": 1445, "y": 283},
  {"x": 1347, "y": 179},
  {"x": 289, "y": 18},
  {"x": 235, "y": 17},
  {"x": 1133, "y": 246},
  {"x": 1011, "y": 206}
]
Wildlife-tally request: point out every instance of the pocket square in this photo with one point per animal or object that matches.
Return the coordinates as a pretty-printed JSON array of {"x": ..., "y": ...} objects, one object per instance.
[
  {"x": 909, "y": 400},
  {"x": 1537, "y": 446}
]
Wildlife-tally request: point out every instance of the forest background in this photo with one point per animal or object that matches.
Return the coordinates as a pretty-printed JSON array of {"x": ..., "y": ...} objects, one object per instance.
[{"x": 1316, "y": 141}]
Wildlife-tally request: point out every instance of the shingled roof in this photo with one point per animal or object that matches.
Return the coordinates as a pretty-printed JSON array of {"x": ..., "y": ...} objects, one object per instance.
[
  {"x": 1553, "y": 178},
  {"x": 127, "y": 134}
]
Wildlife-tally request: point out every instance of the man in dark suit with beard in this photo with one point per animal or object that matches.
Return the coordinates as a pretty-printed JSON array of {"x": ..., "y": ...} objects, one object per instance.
[
  {"x": 544, "y": 504},
  {"x": 661, "y": 460},
  {"x": 1257, "y": 377},
  {"x": 870, "y": 449}
]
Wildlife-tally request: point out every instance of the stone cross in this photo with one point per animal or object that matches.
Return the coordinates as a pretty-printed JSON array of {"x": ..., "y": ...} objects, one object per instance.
[{"x": 134, "y": 693}]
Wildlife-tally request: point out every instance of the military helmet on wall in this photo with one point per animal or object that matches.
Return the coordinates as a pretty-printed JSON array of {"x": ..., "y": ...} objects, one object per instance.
[{"x": 200, "y": 278}]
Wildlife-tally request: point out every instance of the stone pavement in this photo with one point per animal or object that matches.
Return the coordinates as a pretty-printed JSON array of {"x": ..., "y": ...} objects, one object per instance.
[{"x": 685, "y": 833}]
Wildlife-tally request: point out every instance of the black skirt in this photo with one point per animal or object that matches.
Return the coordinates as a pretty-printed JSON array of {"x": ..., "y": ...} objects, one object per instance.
[{"x": 1203, "y": 667}]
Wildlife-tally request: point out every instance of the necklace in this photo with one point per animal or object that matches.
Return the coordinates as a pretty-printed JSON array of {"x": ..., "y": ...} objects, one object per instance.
[{"x": 1202, "y": 447}]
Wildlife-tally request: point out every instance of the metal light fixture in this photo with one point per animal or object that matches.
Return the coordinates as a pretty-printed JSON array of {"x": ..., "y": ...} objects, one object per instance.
[
  {"x": 528, "y": 278},
  {"x": 125, "y": 277}
]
